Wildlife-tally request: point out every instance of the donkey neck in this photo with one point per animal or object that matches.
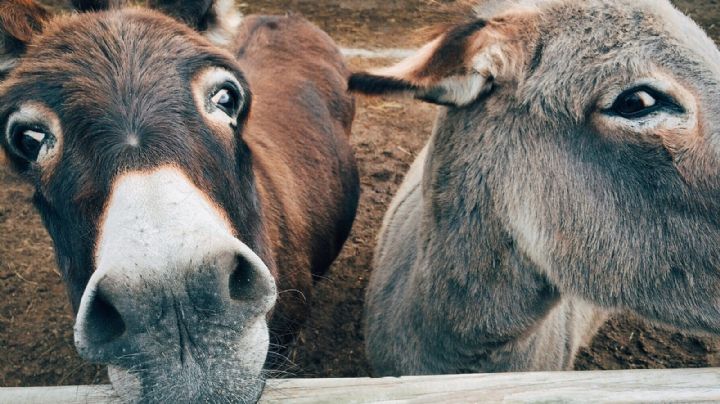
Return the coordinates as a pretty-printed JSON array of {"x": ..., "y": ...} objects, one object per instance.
[{"x": 492, "y": 293}]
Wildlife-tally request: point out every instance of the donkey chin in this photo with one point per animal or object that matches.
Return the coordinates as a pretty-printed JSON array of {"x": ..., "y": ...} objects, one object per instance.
[{"x": 225, "y": 372}]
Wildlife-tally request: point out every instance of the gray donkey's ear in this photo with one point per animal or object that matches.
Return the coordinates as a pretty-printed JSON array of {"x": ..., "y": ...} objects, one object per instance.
[
  {"x": 20, "y": 21},
  {"x": 218, "y": 20},
  {"x": 459, "y": 65}
]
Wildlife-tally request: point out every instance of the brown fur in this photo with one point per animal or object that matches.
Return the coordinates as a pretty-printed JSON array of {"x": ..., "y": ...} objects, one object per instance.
[
  {"x": 270, "y": 47},
  {"x": 284, "y": 176},
  {"x": 290, "y": 188},
  {"x": 21, "y": 19}
]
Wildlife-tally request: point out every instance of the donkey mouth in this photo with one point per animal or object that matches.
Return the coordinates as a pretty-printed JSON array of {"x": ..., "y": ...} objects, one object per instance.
[
  {"x": 192, "y": 387},
  {"x": 228, "y": 369}
]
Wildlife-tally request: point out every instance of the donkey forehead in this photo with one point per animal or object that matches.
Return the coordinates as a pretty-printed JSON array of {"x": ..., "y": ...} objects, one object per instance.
[
  {"x": 680, "y": 29},
  {"x": 121, "y": 71},
  {"x": 121, "y": 84},
  {"x": 622, "y": 40},
  {"x": 114, "y": 52},
  {"x": 615, "y": 19},
  {"x": 625, "y": 24}
]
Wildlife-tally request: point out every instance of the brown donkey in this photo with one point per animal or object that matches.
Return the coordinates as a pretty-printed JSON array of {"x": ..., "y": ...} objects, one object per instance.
[
  {"x": 573, "y": 170},
  {"x": 185, "y": 183}
]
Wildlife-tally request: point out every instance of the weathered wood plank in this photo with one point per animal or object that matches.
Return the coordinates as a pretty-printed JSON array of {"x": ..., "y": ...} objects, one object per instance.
[
  {"x": 613, "y": 386},
  {"x": 57, "y": 395},
  {"x": 680, "y": 385}
]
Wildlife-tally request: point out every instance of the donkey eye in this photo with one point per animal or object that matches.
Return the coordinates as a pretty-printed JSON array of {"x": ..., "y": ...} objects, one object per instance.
[
  {"x": 29, "y": 142},
  {"x": 227, "y": 99},
  {"x": 641, "y": 102}
]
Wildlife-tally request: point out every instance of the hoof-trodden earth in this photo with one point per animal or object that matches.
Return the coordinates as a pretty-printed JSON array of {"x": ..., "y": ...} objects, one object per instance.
[{"x": 36, "y": 345}]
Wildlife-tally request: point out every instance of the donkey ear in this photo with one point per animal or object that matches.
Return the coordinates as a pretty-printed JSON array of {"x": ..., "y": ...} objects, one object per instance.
[
  {"x": 20, "y": 21},
  {"x": 218, "y": 20},
  {"x": 457, "y": 67},
  {"x": 97, "y": 5}
]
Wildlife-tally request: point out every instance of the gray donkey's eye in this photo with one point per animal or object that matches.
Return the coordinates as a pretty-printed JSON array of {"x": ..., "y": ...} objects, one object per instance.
[
  {"x": 641, "y": 102},
  {"x": 635, "y": 102}
]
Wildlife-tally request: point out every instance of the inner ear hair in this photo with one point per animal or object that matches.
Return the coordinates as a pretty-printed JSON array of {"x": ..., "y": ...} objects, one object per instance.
[
  {"x": 462, "y": 63},
  {"x": 440, "y": 72}
]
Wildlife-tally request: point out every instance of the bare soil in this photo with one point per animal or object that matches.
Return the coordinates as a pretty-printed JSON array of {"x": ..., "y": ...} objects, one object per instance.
[{"x": 36, "y": 345}]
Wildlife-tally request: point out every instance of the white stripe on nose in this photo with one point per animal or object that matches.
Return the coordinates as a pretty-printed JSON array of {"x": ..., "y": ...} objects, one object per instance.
[{"x": 157, "y": 220}]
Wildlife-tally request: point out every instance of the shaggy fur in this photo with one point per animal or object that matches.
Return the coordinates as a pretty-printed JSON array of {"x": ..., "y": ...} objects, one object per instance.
[
  {"x": 120, "y": 85},
  {"x": 535, "y": 209}
]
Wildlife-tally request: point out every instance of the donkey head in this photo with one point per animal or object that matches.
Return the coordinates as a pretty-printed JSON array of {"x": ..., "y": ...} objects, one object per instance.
[
  {"x": 130, "y": 125},
  {"x": 591, "y": 132}
]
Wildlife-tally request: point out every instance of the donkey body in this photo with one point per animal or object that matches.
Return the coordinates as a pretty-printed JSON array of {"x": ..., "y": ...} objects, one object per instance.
[
  {"x": 298, "y": 135},
  {"x": 191, "y": 190},
  {"x": 572, "y": 171}
]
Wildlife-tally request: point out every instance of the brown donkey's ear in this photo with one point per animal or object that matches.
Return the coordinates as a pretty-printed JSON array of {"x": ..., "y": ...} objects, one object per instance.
[
  {"x": 458, "y": 66},
  {"x": 97, "y": 5},
  {"x": 20, "y": 20},
  {"x": 218, "y": 20}
]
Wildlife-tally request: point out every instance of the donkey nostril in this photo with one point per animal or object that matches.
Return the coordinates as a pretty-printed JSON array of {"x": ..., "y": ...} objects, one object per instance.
[
  {"x": 104, "y": 322},
  {"x": 242, "y": 280}
]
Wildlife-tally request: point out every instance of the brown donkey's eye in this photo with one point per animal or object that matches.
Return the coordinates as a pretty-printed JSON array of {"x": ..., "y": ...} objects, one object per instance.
[
  {"x": 29, "y": 142},
  {"x": 227, "y": 98}
]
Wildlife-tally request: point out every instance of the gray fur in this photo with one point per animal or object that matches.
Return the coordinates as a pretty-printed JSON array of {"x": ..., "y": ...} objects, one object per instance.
[{"x": 525, "y": 222}]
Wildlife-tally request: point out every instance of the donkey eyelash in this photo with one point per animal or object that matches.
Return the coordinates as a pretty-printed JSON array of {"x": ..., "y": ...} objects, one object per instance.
[{"x": 227, "y": 85}]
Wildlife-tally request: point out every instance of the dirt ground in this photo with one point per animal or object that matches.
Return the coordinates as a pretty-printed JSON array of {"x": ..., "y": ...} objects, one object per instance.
[{"x": 35, "y": 318}]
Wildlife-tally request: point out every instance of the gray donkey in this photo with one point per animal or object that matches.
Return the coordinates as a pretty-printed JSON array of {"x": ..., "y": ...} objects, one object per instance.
[{"x": 574, "y": 171}]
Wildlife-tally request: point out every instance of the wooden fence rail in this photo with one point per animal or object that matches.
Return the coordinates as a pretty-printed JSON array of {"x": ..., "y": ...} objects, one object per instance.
[{"x": 680, "y": 385}]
